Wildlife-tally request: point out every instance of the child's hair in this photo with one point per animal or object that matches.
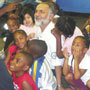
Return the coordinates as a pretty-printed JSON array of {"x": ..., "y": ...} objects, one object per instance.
[
  {"x": 20, "y": 32},
  {"x": 38, "y": 47},
  {"x": 66, "y": 25},
  {"x": 28, "y": 11},
  {"x": 84, "y": 40},
  {"x": 29, "y": 58}
]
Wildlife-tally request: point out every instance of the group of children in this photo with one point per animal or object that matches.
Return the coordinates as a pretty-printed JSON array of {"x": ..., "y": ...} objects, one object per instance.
[{"x": 27, "y": 64}]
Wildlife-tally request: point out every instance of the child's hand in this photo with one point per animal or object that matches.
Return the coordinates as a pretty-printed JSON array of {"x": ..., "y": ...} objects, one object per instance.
[
  {"x": 31, "y": 35},
  {"x": 65, "y": 53},
  {"x": 56, "y": 34},
  {"x": 77, "y": 54}
]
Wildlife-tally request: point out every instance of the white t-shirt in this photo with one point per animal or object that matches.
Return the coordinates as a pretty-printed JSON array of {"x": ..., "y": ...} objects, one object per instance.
[
  {"x": 35, "y": 29},
  {"x": 50, "y": 40},
  {"x": 84, "y": 64}
]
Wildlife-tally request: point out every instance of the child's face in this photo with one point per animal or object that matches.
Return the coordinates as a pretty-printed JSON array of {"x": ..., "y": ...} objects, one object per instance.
[
  {"x": 18, "y": 63},
  {"x": 20, "y": 40},
  {"x": 12, "y": 25},
  {"x": 28, "y": 20},
  {"x": 78, "y": 44}
]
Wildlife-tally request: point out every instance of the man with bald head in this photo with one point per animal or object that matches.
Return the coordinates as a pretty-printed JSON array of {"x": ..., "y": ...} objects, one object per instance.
[{"x": 44, "y": 14}]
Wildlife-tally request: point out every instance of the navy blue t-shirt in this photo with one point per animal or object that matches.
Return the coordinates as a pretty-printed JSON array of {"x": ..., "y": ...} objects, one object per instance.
[{"x": 6, "y": 82}]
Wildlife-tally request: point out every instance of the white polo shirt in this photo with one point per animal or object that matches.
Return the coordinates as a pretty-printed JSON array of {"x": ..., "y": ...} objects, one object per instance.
[{"x": 50, "y": 40}]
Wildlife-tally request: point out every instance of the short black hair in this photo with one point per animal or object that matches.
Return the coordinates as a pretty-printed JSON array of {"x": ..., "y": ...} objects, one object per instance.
[
  {"x": 85, "y": 40},
  {"x": 38, "y": 47},
  {"x": 21, "y": 32},
  {"x": 66, "y": 25}
]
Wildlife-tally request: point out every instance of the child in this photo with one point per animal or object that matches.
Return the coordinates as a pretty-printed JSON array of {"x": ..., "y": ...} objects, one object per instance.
[
  {"x": 68, "y": 28},
  {"x": 76, "y": 67},
  {"x": 12, "y": 26},
  {"x": 19, "y": 67},
  {"x": 29, "y": 24},
  {"x": 20, "y": 39},
  {"x": 40, "y": 70}
]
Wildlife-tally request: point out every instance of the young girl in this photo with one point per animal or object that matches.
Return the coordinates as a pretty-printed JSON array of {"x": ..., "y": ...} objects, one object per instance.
[
  {"x": 76, "y": 67},
  {"x": 19, "y": 67},
  {"x": 13, "y": 25},
  {"x": 29, "y": 25},
  {"x": 20, "y": 39}
]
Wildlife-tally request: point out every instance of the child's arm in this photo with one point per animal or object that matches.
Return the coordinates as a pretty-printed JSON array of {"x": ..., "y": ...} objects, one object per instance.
[
  {"x": 66, "y": 67},
  {"x": 58, "y": 42},
  {"x": 8, "y": 8},
  {"x": 7, "y": 58},
  {"x": 77, "y": 71},
  {"x": 26, "y": 86}
]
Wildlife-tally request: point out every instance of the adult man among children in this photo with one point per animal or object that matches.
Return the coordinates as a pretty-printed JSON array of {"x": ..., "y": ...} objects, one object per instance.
[{"x": 43, "y": 17}]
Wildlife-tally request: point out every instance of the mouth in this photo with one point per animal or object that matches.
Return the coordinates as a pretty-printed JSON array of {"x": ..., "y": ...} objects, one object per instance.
[
  {"x": 20, "y": 45},
  {"x": 27, "y": 23},
  {"x": 11, "y": 67},
  {"x": 38, "y": 18}
]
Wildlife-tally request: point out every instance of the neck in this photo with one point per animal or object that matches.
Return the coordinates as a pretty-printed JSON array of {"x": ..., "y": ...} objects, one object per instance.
[
  {"x": 18, "y": 74},
  {"x": 31, "y": 25},
  {"x": 44, "y": 26}
]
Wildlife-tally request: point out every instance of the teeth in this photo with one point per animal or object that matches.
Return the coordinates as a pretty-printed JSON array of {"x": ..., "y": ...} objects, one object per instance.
[{"x": 11, "y": 66}]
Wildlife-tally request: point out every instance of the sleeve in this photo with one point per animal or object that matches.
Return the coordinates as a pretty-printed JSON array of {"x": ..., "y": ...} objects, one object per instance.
[
  {"x": 52, "y": 45},
  {"x": 47, "y": 81},
  {"x": 6, "y": 82},
  {"x": 85, "y": 63}
]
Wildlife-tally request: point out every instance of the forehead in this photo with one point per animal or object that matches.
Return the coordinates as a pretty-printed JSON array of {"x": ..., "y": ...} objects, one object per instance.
[
  {"x": 17, "y": 35},
  {"x": 19, "y": 55},
  {"x": 27, "y": 14},
  {"x": 44, "y": 7},
  {"x": 78, "y": 40},
  {"x": 12, "y": 21}
]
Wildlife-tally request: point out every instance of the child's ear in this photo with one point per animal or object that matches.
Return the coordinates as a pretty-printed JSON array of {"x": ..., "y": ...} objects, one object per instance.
[
  {"x": 85, "y": 50},
  {"x": 26, "y": 67}
]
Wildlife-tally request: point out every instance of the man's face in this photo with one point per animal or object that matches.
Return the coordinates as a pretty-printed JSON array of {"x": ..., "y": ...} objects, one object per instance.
[{"x": 42, "y": 14}]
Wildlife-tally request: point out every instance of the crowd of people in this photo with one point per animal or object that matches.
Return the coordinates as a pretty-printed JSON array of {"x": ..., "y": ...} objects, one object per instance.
[{"x": 42, "y": 46}]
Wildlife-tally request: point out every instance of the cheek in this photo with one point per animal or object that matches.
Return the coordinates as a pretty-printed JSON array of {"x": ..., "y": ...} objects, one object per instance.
[
  {"x": 19, "y": 66},
  {"x": 16, "y": 43}
]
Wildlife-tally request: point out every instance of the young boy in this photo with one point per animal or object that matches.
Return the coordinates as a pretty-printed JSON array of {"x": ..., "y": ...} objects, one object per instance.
[
  {"x": 40, "y": 70},
  {"x": 76, "y": 67},
  {"x": 19, "y": 68}
]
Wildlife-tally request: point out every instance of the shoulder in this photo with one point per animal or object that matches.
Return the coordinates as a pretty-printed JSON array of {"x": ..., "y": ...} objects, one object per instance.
[
  {"x": 12, "y": 48},
  {"x": 85, "y": 63}
]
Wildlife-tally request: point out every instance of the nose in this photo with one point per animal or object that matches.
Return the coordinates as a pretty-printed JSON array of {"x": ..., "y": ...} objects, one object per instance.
[
  {"x": 37, "y": 13},
  {"x": 18, "y": 41}
]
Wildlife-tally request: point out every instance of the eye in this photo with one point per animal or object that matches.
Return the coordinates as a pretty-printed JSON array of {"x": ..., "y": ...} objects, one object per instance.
[
  {"x": 78, "y": 45},
  {"x": 18, "y": 60},
  {"x": 41, "y": 11}
]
